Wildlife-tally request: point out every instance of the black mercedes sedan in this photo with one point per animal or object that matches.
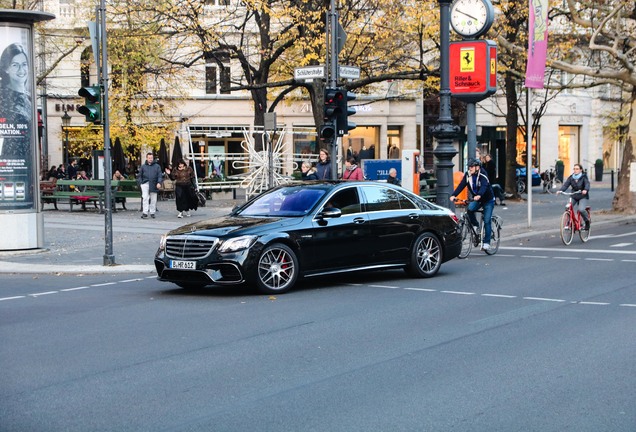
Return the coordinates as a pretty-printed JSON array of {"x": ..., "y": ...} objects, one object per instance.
[{"x": 301, "y": 230}]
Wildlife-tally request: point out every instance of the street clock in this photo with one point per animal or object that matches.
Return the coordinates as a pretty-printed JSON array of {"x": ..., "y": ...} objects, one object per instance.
[{"x": 471, "y": 18}]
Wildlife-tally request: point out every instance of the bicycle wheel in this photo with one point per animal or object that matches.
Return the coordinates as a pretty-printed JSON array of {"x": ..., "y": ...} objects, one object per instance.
[
  {"x": 521, "y": 186},
  {"x": 567, "y": 231},
  {"x": 494, "y": 237},
  {"x": 467, "y": 239},
  {"x": 585, "y": 234}
]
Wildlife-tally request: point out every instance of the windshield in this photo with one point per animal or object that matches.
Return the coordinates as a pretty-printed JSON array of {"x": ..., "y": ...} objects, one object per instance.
[{"x": 286, "y": 201}]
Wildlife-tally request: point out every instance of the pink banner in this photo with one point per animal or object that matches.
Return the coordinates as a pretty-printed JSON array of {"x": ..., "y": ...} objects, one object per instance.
[{"x": 537, "y": 43}]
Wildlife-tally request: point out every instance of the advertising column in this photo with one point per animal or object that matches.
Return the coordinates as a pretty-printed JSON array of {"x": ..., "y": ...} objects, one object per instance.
[{"x": 21, "y": 223}]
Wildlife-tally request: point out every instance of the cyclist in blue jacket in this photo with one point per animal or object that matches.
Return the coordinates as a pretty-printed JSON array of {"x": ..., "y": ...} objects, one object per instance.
[{"x": 481, "y": 196}]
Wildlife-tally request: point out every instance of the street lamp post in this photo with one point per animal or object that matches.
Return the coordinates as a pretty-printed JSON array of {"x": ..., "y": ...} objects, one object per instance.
[
  {"x": 66, "y": 123},
  {"x": 445, "y": 131}
]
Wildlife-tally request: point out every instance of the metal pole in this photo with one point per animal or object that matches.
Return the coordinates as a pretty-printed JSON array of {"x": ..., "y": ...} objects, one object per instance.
[
  {"x": 109, "y": 257},
  {"x": 445, "y": 131},
  {"x": 332, "y": 79},
  {"x": 529, "y": 154},
  {"x": 471, "y": 126}
]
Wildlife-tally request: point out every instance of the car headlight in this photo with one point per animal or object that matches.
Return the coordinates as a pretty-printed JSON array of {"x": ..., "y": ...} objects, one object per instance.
[
  {"x": 236, "y": 244},
  {"x": 162, "y": 243}
]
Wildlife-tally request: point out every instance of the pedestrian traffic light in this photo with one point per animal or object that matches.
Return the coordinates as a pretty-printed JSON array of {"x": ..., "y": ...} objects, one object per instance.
[
  {"x": 327, "y": 133},
  {"x": 332, "y": 105},
  {"x": 344, "y": 111},
  {"x": 92, "y": 104}
]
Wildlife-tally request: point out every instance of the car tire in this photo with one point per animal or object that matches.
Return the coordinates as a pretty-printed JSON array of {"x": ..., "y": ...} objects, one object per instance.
[
  {"x": 426, "y": 256},
  {"x": 277, "y": 269}
]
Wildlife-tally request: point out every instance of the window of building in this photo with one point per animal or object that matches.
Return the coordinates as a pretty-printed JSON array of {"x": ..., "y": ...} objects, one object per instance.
[
  {"x": 217, "y": 73},
  {"x": 362, "y": 142},
  {"x": 394, "y": 138}
]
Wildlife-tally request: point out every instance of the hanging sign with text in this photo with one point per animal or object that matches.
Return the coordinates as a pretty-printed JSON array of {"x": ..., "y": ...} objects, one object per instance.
[{"x": 473, "y": 70}]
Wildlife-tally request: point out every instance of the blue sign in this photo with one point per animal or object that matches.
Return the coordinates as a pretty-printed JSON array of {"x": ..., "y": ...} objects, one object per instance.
[{"x": 378, "y": 169}]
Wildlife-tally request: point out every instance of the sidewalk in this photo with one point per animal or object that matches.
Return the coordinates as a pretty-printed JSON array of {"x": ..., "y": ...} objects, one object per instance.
[{"x": 75, "y": 242}]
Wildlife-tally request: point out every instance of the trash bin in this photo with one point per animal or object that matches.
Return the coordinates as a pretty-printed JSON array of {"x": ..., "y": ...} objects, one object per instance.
[
  {"x": 598, "y": 170},
  {"x": 559, "y": 169}
]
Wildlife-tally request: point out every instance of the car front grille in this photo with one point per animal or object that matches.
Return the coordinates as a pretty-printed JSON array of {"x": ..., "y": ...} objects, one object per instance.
[{"x": 190, "y": 247}]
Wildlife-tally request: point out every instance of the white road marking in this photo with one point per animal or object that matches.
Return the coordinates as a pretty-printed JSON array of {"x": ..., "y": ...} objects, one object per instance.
[
  {"x": 534, "y": 256},
  {"x": 544, "y": 299},
  {"x": 43, "y": 293},
  {"x": 594, "y": 303},
  {"x": 568, "y": 258},
  {"x": 598, "y": 259},
  {"x": 540, "y": 249},
  {"x": 499, "y": 295},
  {"x": 131, "y": 280},
  {"x": 104, "y": 284},
  {"x": 628, "y": 260},
  {"x": 75, "y": 289},
  {"x": 420, "y": 289},
  {"x": 384, "y": 286},
  {"x": 628, "y": 305},
  {"x": 458, "y": 292},
  {"x": 617, "y": 245},
  {"x": 11, "y": 298}
]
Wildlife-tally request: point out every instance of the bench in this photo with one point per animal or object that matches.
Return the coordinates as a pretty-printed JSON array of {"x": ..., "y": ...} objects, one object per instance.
[
  {"x": 79, "y": 192},
  {"x": 208, "y": 187}
]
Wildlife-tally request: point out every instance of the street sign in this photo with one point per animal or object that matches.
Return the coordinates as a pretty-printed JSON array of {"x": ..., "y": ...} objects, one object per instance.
[
  {"x": 309, "y": 72},
  {"x": 473, "y": 70},
  {"x": 350, "y": 72}
]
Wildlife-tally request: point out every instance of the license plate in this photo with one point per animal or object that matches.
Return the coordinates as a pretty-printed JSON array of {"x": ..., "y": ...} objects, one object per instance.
[{"x": 190, "y": 265}]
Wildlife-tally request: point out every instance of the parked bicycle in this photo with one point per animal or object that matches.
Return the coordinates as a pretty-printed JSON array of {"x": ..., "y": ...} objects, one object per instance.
[
  {"x": 571, "y": 221},
  {"x": 550, "y": 181},
  {"x": 475, "y": 238}
]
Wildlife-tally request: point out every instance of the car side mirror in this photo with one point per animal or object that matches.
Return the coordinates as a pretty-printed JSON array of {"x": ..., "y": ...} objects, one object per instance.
[{"x": 330, "y": 213}]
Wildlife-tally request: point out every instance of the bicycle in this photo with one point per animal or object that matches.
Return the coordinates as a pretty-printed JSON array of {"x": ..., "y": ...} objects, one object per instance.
[
  {"x": 550, "y": 180},
  {"x": 471, "y": 238},
  {"x": 571, "y": 222}
]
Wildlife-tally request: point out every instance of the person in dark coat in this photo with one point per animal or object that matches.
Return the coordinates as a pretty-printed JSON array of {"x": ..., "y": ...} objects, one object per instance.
[
  {"x": 308, "y": 172},
  {"x": 185, "y": 197},
  {"x": 323, "y": 167},
  {"x": 580, "y": 185},
  {"x": 392, "y": 178},
  {"x": 150, "y": 182}
]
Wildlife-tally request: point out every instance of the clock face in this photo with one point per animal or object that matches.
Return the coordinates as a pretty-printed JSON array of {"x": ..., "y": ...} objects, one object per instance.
[{"x": 471, "y": 18}]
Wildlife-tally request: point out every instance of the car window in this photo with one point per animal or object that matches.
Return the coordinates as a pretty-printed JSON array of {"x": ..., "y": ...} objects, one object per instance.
[
  {"x": 290, "y": 201},
  {"x": 380, "y": 198},
  {"x": 347, "y": 200}
]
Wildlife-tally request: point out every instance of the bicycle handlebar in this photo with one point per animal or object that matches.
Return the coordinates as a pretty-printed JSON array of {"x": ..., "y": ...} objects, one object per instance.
[{"x": 570, "y": 193}]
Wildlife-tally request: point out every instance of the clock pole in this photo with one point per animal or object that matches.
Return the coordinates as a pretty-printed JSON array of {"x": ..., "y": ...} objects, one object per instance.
[{"x": 445, "y": 131}]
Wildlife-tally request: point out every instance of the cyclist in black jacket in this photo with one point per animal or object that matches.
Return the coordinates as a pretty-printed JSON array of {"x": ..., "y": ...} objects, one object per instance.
[
  {"x": 481, "y": 195},
  {"x": 581, "y": 186}
]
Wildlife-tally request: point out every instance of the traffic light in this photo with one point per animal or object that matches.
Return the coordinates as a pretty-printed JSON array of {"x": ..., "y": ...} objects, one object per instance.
[
  {"x": 331, "y": 112},
  {"x": 92, "y": 104},
  {"x": 344, "y": 111}
]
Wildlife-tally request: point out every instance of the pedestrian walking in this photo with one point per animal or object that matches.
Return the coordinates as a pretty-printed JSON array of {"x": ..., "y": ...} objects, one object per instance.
[{"x": 149, "y": 181}]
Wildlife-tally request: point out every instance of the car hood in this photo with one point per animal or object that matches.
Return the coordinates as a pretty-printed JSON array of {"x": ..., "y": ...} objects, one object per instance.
[{"x": 222, "y": 226}]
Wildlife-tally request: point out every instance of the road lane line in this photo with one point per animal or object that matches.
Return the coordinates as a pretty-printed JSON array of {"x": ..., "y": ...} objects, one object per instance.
[
  {"x": 542, "y": 249},
  {"x": 598, "y": 259},
  {"x": 593, "y": 303},
  {"x": 544, "y": 299},
  {"x": 104, "y": 284},
  {"x": 384, "y": 286},
  {"x": 43, "y": 293},
  {"x": 458, "y": 292},
  {"x": 534, "y": 256},
  {"x": 420, "y": 289},
  {"x": 499, "y": 295},
  {"x": 626, "y": 260},
  {"x": 75, "y": 289},
  {"x": 131, "y": 280},
  {"x": 567, "y": 258},
  {"x": 628, "y": 305},
  {"x": 12, "y": 298},
  {"x": 617, "y": 245}
]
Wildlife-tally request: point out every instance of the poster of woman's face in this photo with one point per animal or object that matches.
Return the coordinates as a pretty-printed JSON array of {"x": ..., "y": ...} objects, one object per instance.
[{"x": 17, "y": 133}]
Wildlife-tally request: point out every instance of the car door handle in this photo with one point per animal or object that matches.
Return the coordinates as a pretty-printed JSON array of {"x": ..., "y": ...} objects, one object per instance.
[
  {"x": 413, "y": 216},
  {"x": 359, "y": 220}
]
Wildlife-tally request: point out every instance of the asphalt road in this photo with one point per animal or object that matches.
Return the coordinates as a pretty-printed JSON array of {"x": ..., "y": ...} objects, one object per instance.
[{"x": 539, "y": 337}]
